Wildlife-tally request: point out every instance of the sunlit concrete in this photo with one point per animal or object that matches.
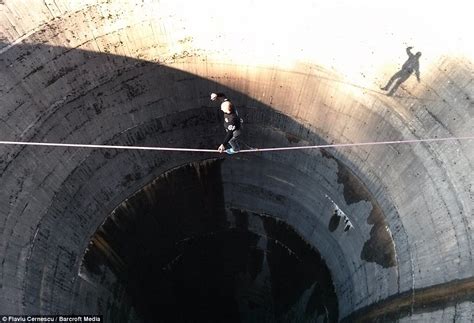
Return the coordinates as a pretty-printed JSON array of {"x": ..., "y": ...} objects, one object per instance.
[{"x": 307, "y": 73}]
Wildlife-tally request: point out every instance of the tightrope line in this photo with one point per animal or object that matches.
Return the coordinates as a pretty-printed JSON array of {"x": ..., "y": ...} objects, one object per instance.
[{"x": 371, "y": 143}]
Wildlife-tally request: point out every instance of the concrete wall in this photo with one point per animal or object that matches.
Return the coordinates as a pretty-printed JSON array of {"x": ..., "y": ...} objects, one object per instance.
[{"x": 140, "y": 73}]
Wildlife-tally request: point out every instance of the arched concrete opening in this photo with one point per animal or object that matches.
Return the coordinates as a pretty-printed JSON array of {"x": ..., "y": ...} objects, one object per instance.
[
  {"x": 408, "y": 255},
  {"x": 175, "y": 244}
]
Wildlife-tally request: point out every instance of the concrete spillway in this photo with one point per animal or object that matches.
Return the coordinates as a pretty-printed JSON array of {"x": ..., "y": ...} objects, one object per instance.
[{"x": 139, "y": 235}]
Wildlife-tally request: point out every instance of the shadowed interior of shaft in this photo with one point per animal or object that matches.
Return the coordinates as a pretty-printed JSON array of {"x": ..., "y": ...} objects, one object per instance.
[{"x": 174, "y": 248}]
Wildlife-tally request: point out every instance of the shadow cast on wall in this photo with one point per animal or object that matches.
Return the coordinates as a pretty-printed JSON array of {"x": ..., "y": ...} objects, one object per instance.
[
  {"x": 59, "y": 94},
  {"x": 411, "y": 65}
]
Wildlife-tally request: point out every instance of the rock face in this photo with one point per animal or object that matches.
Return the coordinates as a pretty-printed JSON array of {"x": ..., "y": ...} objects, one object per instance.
[{"x": 362, "y": 233}]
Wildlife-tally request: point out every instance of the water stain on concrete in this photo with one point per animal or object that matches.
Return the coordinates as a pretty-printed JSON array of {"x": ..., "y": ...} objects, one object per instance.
[{"x": 379, "y": 248}]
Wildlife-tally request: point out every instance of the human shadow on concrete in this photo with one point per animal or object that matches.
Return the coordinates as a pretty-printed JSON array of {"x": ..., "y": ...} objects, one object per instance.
[{"x": 411, "y": 65}]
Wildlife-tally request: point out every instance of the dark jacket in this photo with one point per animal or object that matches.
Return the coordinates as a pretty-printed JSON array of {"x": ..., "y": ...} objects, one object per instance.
[{"x": 231, "y": 123}]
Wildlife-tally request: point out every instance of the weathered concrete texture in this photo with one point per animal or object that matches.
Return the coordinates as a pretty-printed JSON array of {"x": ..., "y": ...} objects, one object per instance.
[
  {"x": 128, "y": 73},
  {"x": 447, "y": 297}
]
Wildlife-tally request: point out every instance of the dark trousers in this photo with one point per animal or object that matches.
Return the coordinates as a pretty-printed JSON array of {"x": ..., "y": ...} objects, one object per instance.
[{"x": 233, "y": 142}]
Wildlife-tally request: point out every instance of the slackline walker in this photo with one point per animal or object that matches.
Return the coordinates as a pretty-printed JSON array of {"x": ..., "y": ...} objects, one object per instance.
[
  {"x": 255, "y": 150},
  {"x": 230, "y": 145},
  {"x": 232, "y": 124}
]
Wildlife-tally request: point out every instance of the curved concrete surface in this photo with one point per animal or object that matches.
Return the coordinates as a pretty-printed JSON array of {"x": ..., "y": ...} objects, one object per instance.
[{"x": 140, "y": 73}]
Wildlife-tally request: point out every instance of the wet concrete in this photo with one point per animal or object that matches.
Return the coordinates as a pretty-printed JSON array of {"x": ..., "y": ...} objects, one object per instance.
[{"x": 379, "y": 248}]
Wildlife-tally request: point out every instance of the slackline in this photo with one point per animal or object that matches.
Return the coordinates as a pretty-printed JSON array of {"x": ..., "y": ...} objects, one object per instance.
[{"x": 371, "y": 143}]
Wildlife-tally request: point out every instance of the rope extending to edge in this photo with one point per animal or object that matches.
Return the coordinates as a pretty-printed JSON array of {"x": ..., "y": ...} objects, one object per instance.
[{"x": 372, "y": 143}]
